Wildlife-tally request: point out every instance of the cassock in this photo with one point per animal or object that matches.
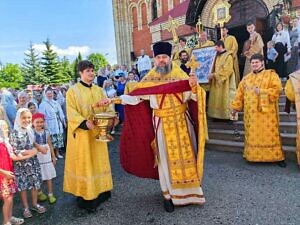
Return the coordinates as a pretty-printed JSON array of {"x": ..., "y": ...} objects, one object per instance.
[
  {"x": 256, "y": 46},
  {"x": 87, "y": 166},
  {"x": 222, "y": 87},
  {"x": 232, "y": 47},
  {"x": 161, "y": 129},
  {"x": 291, "y": 85},
  {"x": 261, "y": 119}
]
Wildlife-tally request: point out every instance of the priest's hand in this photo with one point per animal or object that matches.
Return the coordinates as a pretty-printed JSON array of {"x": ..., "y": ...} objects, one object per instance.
[
  {"x": 103, "y": 102},
  {"x": 211, "y": 76},
  {"x": 193, "y": 80},
  {"x": 90, "y": 124},
  {"x": 233, "y": 113},
  {"x": 257, "y": 90}
]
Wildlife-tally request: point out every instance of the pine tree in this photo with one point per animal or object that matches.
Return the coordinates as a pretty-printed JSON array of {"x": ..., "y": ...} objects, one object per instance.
[
  {"x": 65, "y": 70},
  {"x": 31, "y": 69},
  {"x": 50, "y": 64},
  {"x": 75, "y": 70}
]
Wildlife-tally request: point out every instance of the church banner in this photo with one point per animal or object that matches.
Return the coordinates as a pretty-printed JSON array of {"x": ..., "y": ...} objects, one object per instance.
[{"x": 206, "y": 58}]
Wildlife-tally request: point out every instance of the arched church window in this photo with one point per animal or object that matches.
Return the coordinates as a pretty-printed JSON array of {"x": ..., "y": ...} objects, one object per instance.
[{"x": 154, "y": 9}]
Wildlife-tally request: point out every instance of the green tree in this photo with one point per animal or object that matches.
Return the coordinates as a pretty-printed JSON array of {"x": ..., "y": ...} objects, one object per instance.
[
  {"x": 75, "y": 63},
  {"x": 98, "y": 60},
  {"x": 50, "y": 64},
  {"x": 31, "y": 69},
  {"x": 11, "y": 76},
  {"x": 65, "y": 70}
]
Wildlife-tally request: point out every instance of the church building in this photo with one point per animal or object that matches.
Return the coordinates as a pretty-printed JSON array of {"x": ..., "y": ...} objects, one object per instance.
[{"x": 140, "y": 23}]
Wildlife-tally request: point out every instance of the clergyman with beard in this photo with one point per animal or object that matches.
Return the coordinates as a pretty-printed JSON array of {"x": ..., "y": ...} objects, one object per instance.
[
  {"x": 184, "y": 58},
  {"x": 158, "y": 138}
]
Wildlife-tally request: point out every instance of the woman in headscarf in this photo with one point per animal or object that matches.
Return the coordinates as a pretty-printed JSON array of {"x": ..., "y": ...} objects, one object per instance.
[{"x": 55, "y": 120}]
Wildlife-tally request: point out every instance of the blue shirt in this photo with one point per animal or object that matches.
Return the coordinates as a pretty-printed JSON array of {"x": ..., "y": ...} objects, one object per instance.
[{"x": 271, "y": 54}]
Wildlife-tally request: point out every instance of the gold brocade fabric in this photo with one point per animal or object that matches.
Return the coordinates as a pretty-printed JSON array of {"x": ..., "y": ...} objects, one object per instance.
[
  {"x": 185, "y": 168},
  {"x": 208, "y": 43},
  {"x": 87, "y": 167},
  {"x": 261, "y": 117},
  {"x": 180, "y": 152},
  {"x": 232, "y": 47},
  {"x": 294, "y": 84},
  {"x": 222, "y": 87}
]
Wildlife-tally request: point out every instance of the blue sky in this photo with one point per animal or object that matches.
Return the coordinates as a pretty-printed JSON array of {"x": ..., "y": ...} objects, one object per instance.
[{"x": 71, "y": 26}]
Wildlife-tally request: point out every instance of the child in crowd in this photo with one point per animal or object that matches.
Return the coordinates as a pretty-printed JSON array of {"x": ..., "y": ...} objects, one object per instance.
[
  {"x": 47, "y": 160},
  {"x": 272, "y": 54},
  {"x": 7, "y": 183},
  {"x": 27, "y": 169},
  {"x": 32, "y": 107}
]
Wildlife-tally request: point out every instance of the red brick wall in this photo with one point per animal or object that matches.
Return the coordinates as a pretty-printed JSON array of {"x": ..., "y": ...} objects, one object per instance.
[
  {"x": 296, "y": 3},
  {"x": 142, "y": 39},
  {"x": 182, "y": 30},
  {"x": 176, "y": 2}
]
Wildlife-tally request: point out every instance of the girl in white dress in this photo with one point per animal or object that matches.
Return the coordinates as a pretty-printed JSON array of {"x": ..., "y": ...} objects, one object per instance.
[{"x": 46, "y": 155}]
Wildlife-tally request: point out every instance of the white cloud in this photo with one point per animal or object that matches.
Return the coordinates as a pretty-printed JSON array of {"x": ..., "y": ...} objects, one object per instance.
[{"x": 69, "y": 51}]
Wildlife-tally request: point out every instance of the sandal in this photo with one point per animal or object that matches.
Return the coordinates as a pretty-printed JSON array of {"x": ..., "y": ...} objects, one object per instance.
[
  {"x": 16, "y": 220},
  {"x": 39, "y": 209},
  {"x": 27, "y": 213}
]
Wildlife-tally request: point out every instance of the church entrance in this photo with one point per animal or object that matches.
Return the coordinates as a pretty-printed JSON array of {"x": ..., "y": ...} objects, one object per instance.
[{"x": 243, "y": 11}]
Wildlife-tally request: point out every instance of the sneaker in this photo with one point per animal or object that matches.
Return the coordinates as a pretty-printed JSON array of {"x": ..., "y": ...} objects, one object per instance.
[
  {"x": 27, "y": 213},
  {"x": 42, "y": 197},
  {"x": 59, "y": 156},
  {"x": 51, "y": 199},
  {"x": 16, "y": 220},
  {"x": 39, "y": 209}
]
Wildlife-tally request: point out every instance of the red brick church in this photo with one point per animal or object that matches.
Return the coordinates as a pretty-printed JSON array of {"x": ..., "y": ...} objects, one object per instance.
[{"x": 140, "y": 23}]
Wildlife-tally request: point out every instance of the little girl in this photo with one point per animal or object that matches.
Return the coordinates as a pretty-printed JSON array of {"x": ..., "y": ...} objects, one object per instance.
[
  {"x": 7, "y": 182},
  {"x": 47, "y": 160},
  {"x": 28, "y": 170}
]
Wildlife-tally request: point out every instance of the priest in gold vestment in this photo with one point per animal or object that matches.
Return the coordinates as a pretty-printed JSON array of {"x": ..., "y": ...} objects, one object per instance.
[
  {"x": 166, "y": 91},
  {"x": 203, "y": 41},
  {"x": 87, "y": 172},
  {"x": 232, "y": 47},
  {"x": 178, "y": 48},
  {"x": 258, "y": 95},
  {"x": 222, "y": 84},
  {"x": 291, "y": 85}
]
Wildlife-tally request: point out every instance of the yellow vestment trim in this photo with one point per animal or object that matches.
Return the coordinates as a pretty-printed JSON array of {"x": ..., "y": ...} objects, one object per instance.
[{"x": 295, "y": 79}]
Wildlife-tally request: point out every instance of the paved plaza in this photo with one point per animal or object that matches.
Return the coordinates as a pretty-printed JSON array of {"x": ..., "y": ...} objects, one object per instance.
[{"x": 237, "y": 193}]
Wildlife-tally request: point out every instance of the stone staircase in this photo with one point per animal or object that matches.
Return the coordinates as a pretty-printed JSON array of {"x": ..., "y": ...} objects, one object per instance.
[{"x": 226, "y": 136}]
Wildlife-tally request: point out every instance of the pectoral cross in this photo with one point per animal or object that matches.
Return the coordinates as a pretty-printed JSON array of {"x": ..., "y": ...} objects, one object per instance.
[
  {"x": 193, "y": 64},
  {"x": 171, "y": 27}
]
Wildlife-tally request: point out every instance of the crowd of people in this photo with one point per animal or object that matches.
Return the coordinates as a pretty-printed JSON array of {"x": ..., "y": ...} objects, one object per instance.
[{"x": 169, "y": 132}]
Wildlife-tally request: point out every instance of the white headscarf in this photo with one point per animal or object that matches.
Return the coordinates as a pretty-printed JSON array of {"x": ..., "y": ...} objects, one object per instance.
[
  {"x": 18, "y": 127},
  {"x": 4, "y": 138}
]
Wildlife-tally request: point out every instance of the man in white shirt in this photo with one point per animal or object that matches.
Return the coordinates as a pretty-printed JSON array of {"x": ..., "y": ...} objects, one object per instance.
[{"x": 143, "y": 64}]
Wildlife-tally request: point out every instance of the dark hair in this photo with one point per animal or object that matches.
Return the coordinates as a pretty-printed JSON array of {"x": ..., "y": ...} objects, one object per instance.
[
  {"x": 220, "y": 43},
  {"x": 182, "y": 39},
  {"x": 30, "y": 104},
  {"x": 85, "y": 64},
  {"x": 258, "y": 56},
  {"x": 49, "y": 89},
  {"x": 279, "y": 23},
  {"x": 131, "y": 72},
  {"x": 250, "y": 23},
  {"x": 183, "y": 51}
]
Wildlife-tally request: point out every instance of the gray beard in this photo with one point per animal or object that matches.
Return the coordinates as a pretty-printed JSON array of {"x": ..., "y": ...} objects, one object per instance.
[{"x": 163, "y": 70}]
